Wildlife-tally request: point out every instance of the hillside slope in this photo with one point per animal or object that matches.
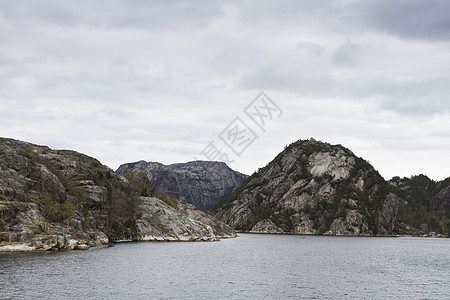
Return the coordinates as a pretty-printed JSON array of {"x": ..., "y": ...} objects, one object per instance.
[
  {"x": 61, "y": 199},
  {"x": 313, "y": 188},
  {"x": 425, "y": 206}
]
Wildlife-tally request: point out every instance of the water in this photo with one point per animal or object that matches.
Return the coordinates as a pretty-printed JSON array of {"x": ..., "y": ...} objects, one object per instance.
[{"x": 250, "y": 267}]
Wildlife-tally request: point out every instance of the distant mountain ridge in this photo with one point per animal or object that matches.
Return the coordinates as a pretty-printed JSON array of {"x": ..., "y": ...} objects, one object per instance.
[{"x": 203, "y": 183}]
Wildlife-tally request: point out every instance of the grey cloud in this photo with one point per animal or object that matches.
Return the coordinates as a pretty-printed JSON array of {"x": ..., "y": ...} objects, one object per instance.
[
  {"x": 424, "y": 107},
  {"x": 293, "y": 12},
  {"x": 142, "y": 15},
  {"x": 420, "y": 97},
  {"x": 155, "y": 80},
  {"x": 297, "y": 81},
  {"x": 413, "y": 19},
  {"x": 45, "y": 12},
  {"x": 417, "y": 97},
  {"x": 347, "y": 54},
  {"x": 310, "y": 48}
]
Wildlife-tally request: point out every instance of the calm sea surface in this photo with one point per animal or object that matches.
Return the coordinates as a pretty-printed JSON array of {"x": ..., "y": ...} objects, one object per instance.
[{"x": 249, "y": 267}]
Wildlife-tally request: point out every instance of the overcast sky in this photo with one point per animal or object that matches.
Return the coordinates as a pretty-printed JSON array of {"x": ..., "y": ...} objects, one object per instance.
[{"x": 164, "y": 80}]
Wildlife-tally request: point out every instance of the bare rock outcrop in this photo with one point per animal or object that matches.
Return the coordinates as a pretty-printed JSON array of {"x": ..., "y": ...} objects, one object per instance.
[
  {"x": 203, "y": 183},
  {"x": 168, "y": 219},
  {"x": 266, "y": 226},
  {"x": 442, "y": 200},
  {"x": 313, "y": 188},
  {"x": 61, "y": 200}
]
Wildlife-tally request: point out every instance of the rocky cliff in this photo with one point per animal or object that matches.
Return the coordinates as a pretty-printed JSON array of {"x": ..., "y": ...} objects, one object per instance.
[
  {"x": 61, "y": 199},
  {"x": 166, "y": 218},
  {"x": 203, "y": 183},
  {"x": 313, "y": 188}
]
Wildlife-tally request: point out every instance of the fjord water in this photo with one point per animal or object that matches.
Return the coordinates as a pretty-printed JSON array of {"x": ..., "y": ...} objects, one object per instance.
[{"x": 253, "y": 266}]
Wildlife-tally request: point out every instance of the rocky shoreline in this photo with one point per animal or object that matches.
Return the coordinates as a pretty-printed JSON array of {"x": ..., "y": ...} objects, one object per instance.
[
  {"x": 346, "y": 235},
  {"x": 59, "y": 200}
]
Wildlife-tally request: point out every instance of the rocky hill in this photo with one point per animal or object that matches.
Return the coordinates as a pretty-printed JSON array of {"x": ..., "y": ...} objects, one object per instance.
[
  {"x": 203, "y": 183},
  {"x": 61, "y": 199},
  {"x": 313, "y": 188},
  {"x": 425, "y": 206}
]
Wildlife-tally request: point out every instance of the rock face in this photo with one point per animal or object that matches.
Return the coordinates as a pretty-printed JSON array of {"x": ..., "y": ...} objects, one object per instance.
[
  {"x": 203, "y": 183},
  {"x": 161, "y": 222},
  {"x": 266, "y": 226},
  {"x": 313, "y": 188},
  {"x": 167, "y": 219},
  {"x": 442, "y": 200},
  {"x": 61, "y": 200}
]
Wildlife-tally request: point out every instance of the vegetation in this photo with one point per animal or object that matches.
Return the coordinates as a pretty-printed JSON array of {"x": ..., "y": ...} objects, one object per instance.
[
  {"x": 55, "y": 211},
  {"x": 369, "y": 200},
  {"x": 116, "y": 217},
  {"x": 417, "y": 210}
]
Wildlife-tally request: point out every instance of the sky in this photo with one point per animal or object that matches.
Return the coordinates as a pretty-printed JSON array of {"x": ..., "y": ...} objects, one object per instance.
[{"x": 175, "y": 81}]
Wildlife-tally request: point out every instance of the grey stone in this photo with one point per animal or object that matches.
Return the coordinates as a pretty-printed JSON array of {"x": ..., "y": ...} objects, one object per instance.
[
  {"x": 313, "y": 188},
  {"x": 203, "y": 183},
  {"x": 266, "y": 226},
  {"x": 442, "y": 200},
  {"x": 57, "y": 200}
]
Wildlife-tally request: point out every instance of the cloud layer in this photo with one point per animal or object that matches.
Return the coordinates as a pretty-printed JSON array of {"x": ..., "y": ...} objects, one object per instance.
[{"x": 159, "y": 80}]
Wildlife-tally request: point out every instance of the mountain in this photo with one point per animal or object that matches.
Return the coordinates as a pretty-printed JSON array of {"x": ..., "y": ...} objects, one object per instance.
[
  {"x": 61, "y": 199},
  {"x": 313, "y": 187},
  {"x": 425, "y": 206},
  {"x": 203, "y": 183}
]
